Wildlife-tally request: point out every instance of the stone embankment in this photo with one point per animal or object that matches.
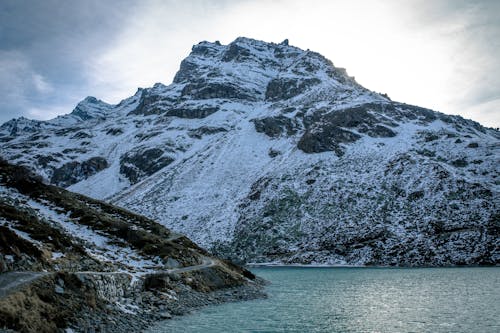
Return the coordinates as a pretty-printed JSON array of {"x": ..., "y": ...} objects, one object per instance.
[{"x": 114, "y": 301}]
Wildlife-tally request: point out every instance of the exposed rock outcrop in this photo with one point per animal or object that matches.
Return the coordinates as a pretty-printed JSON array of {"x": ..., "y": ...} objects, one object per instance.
[
  {"x": 73, "y": 172},
  {"x": 141, "y": 163}
]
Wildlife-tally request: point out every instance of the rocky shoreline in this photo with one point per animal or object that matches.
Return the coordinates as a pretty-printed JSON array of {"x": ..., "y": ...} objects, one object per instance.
[
  {"x": 137, "y": 314},
  {"x": 102, "y": 302}
]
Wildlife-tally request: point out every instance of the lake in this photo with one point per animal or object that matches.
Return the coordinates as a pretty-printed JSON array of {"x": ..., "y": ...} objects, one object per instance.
[{"x": 359, "y": 300}]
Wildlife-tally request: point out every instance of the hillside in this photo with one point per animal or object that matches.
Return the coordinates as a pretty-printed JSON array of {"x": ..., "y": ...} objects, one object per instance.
[
  {"x": 264, "y": 152},
  {"x": 71, "y": 261}
]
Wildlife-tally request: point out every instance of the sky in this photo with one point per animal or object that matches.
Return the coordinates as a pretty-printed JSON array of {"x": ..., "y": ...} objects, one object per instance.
[{"x": 440, "y": 54}]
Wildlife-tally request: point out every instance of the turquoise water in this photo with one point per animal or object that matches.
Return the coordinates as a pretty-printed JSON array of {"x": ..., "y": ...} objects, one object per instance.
[{"x": 359, "y": 300}]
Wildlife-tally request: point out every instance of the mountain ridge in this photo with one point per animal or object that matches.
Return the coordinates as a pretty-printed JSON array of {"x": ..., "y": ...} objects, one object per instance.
[{"x": 243, "y": 150}]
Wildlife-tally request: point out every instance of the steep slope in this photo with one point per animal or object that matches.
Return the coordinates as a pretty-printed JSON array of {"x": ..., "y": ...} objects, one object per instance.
[
  {"x": 68, "y": 260},
  {"x": 265, "y": 152}
]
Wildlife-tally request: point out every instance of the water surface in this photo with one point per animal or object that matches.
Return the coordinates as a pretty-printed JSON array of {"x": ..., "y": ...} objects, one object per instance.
[{"x": 359, "y": 300}]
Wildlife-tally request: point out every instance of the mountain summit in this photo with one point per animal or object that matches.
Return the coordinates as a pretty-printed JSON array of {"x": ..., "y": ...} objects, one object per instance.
[{"x": 264, "y": 152}]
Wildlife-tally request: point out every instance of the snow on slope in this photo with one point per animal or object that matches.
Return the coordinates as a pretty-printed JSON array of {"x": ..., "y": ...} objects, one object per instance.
[
  {"x": 263, "y": 151},
  {"x": 98, "y": 246}
]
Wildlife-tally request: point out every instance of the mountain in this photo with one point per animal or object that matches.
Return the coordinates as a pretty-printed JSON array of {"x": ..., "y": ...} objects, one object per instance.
[
  {"x": 264, "y": 152},
  {"x": 67, "y": 260}
]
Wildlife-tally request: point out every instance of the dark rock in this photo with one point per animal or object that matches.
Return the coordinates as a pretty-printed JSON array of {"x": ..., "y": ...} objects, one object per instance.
[
  {"x": 186, "y": 71},
  {"x": 37, "y": 137},
  {"x": 203, "y": 49},
  {"x": 146, "y": 136},
  {"x": 45, "y": 160},
  {"x": 326, "y": 138},
  {"x": 359, "y": 117},
  {"x": 273, "y": 153},
  {"x": 236, "y": 52},
  {"x": 151, "y": 103},
  {"x": 73, "y": 172},
  {"x": 205, "y": 130},
  {"x": 354, "y": 117},
  {"x": 276, "y": 126},
  {"x": 114, "y": 131},
  {"x": 64, "y": 131},
  {"x": 473, "y": 145},
  {"x": 460, "y": 163},
  {"x": 416, "y": 195},
  {"x": 257, "y": 188},
  {"x": 138, "y": 164},
  {"x": 3, "y": 265},
  {"x": 207, "y": 90},
  {"x": 82, "y": 135},
  {"x": 285, "y": 88},
  {"x": 428, "y": 137},
  {"x": 42, "y": 145},
  {"x": 426, "y": 152},
  {"x": 416, "y": 112},
  {"x": 194, "y": 113},
  {"x": 74, "y": 150},
  {"x": 379, "y": 131}
]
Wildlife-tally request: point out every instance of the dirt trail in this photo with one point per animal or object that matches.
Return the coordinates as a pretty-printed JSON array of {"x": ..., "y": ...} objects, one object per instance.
[{"x": 13, "y": 281}]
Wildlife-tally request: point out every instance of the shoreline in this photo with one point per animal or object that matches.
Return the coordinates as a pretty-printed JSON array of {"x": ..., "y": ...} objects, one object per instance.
[
  {"x": 149, "y": 308},
  {"x": 74, "y": 302},
  {"x": 281, "y": 265},
  {"x": 272, "y": 264}
]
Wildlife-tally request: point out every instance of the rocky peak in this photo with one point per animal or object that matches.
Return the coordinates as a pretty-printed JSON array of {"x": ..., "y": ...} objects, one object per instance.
[
  {"x": 19, "y": 126},
  {"x": 90, "y": 108},
  {"x": 247, "y": 68}
]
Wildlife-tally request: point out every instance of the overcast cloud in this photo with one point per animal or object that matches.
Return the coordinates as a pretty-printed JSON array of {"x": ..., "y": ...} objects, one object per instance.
[{"x": 437, "y": 54}]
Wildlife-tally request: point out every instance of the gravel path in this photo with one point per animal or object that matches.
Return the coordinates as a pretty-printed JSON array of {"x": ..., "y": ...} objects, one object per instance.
[{"x": 13, "y": 281}]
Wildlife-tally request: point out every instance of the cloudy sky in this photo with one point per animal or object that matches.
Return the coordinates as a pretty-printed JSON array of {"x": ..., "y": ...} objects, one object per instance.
[{"x": 440, "y": 54}]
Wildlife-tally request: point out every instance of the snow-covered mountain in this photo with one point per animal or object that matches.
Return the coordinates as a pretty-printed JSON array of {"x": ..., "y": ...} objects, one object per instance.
[{"x": 266, "y": 152}]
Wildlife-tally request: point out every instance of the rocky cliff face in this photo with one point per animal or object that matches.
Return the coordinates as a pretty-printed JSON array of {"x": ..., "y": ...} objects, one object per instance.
[{"x": 266, "y": 152}]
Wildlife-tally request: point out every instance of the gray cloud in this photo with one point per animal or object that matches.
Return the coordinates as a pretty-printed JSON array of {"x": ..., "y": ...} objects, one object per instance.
[{"x": 43, "y": 47}]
